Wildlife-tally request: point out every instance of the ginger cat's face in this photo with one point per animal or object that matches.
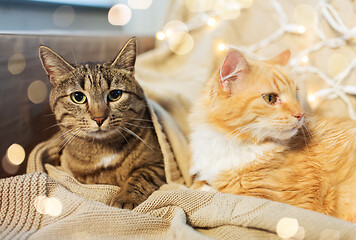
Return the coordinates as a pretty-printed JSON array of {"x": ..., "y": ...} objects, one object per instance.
[{"x": 255, "y": 100}]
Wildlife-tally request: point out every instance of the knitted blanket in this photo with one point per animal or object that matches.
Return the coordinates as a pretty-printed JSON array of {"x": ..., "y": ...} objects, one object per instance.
[{"x": 48, "y": 203}]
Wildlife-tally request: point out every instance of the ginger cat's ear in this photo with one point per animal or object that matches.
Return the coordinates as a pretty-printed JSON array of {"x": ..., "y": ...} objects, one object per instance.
[
  {"x": 127, "y": 57},
  {"x": 233, "y": 69},
  {"x": 54, "y": 65},
  {"x": 282, "y": 59}
]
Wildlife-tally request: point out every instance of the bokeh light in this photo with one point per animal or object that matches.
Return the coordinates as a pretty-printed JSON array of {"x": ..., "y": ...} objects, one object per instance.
[
  {"x": 311, "y": 98},
  {"x": 16, "y": 63},
  {"x": 199, "y": 5},
  {"x": 211, "y": 22},
  {"x": 139, "y": 4},
  {"x": 337, "y": 63},
  {"x": 63, "y": 16},
  {"x": 37, "y": 91},
  {"x": 301, "y": 29},
  {"x": 304, "y": 60},
  {"x": 287, "y": 227},
  {"x": 305, "y": 14},
  {"x": 174, "y": 26},
  {"x": 181, "y": 43},
  {"x": 9, "y": 167},
  {"x": 160, "y": 35},
  {"x": 119, "y": 15},
  {"x": 16, "y": 154},
  {"x": 227, "y": 9},
  {"x": 221, "y": 47},
  {"x": 48, "y": 205}
]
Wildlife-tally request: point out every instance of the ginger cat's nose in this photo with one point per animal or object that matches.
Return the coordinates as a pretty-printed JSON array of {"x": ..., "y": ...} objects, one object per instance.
[{"x": 299, "y": 116}]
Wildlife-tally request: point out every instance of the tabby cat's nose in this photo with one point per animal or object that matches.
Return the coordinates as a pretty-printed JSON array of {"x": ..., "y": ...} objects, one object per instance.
[{"x": 99, "y": 120}]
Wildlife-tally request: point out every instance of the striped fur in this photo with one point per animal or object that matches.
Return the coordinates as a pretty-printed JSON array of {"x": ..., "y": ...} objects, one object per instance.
[
  {"x": 243, "y": 145},
  {"x": 104, "y": 141}
]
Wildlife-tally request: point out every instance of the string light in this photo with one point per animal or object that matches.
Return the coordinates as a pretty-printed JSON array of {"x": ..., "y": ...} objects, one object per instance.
[
  {"x": 211, "y": 22},
  {"x": 221, "y": 47},
  {"x": 160, "y": 35},
  {"x": 304, "y": 60},
  {"x": 306, "y": 16},
  {"x": 311, "y": 98}
]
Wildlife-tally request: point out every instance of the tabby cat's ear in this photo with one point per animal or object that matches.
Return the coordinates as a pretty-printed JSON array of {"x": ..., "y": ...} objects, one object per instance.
[
  {"x": 233, "y": 69},
  {"x": 54, "y": 65},
  {"x": 282, "y": 59},
  {"x": 127, "y": 56}
]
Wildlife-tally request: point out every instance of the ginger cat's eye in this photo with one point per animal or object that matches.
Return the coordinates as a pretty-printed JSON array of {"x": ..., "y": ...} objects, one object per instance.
[
  {"x": 270, "y": 98},
  {"x": 114, "y": 95},
  {"x": 78, "y": 97}
]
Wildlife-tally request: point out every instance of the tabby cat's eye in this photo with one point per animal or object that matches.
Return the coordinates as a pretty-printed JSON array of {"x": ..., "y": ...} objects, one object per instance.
[
  {"x": 270, "y": 98},
  {"x": 114, "y": 95},
  {"x": 78, "y": 97}
]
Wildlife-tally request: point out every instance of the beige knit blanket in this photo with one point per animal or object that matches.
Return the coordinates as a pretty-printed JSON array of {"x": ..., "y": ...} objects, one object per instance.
[{"x": 48, "y": 203}]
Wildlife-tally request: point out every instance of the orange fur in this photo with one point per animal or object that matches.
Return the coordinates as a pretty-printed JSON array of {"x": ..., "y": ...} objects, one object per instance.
[{"x": 312, "y": 169}]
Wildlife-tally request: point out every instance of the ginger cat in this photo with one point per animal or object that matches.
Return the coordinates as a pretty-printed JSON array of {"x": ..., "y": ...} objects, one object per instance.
[{"x": 250, "y": 137}]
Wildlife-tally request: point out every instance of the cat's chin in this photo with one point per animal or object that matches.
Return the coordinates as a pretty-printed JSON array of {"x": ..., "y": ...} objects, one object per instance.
[
  {"x": 101, "y": 134},
  {"x": 286, "y": 135}
]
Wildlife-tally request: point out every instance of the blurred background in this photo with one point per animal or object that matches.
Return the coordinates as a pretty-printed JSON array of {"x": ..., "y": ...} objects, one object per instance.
[{"x": 83, "y": 17}]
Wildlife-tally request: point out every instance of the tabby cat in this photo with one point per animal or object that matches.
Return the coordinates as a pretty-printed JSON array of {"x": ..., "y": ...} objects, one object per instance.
[
  {"x": 105, "y": 125},
  {"x": 250, "y": 137}
]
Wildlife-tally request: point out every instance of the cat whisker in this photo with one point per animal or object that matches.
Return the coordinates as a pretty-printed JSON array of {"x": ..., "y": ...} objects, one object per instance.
[
  {"x": 135, "y": 135},
  {"x": 62, "y": 134},
  {"x": 71, "y": 138},
  {"x": 59, "y": 124},
  {"x": 117, "y": 130},
  {"x": 138, "y": 125},
  {"x": 140, "y": 119}
]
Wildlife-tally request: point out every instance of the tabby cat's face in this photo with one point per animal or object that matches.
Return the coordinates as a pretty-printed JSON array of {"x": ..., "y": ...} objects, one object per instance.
[
  {"x": 95, "y": 101},
  {"x": 257, "y": 99}
]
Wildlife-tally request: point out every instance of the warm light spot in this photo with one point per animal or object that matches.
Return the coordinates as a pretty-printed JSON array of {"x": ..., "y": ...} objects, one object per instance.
[
  {"x": 16, "y": 154},
  {"x": 305, "y": 14},
  {"x": 311, "y": 98},
  {"x": 227, "y": 9},
  {"x": 9, "y": 167},
  {"x": 304, "y": 60},
  {"x": 174, "y": 26},
  {"x": 211, "y": 22},
  {"x": 221, "y": 47},
  {"x": 300, "y": 235},
  {"x": 160, "y": 35},
  {"x": 329, "y": 234},
  {"x": 16, "y": 64},
  {"x": 63, "y": 16},
  {"x": 300, "y": 29},
  {"x": 119, "y": 15},
  {"x": 199, "y": 5},
  {"x": 181, "y": 43},
  {"x": 337, "y": 63},
  {"x": 139, "y": 4},
  {"x": 287, "y": 227},
  {"x": 40, "y": 204},
  {"x": 48, "y": 205},
  {"x": 37, "y": 91}
]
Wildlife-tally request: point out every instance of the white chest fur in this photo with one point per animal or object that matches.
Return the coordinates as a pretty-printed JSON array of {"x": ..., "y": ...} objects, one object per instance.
[
  {"x": 214, "y": 152},
  {"x": 106, "y": 160}
]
